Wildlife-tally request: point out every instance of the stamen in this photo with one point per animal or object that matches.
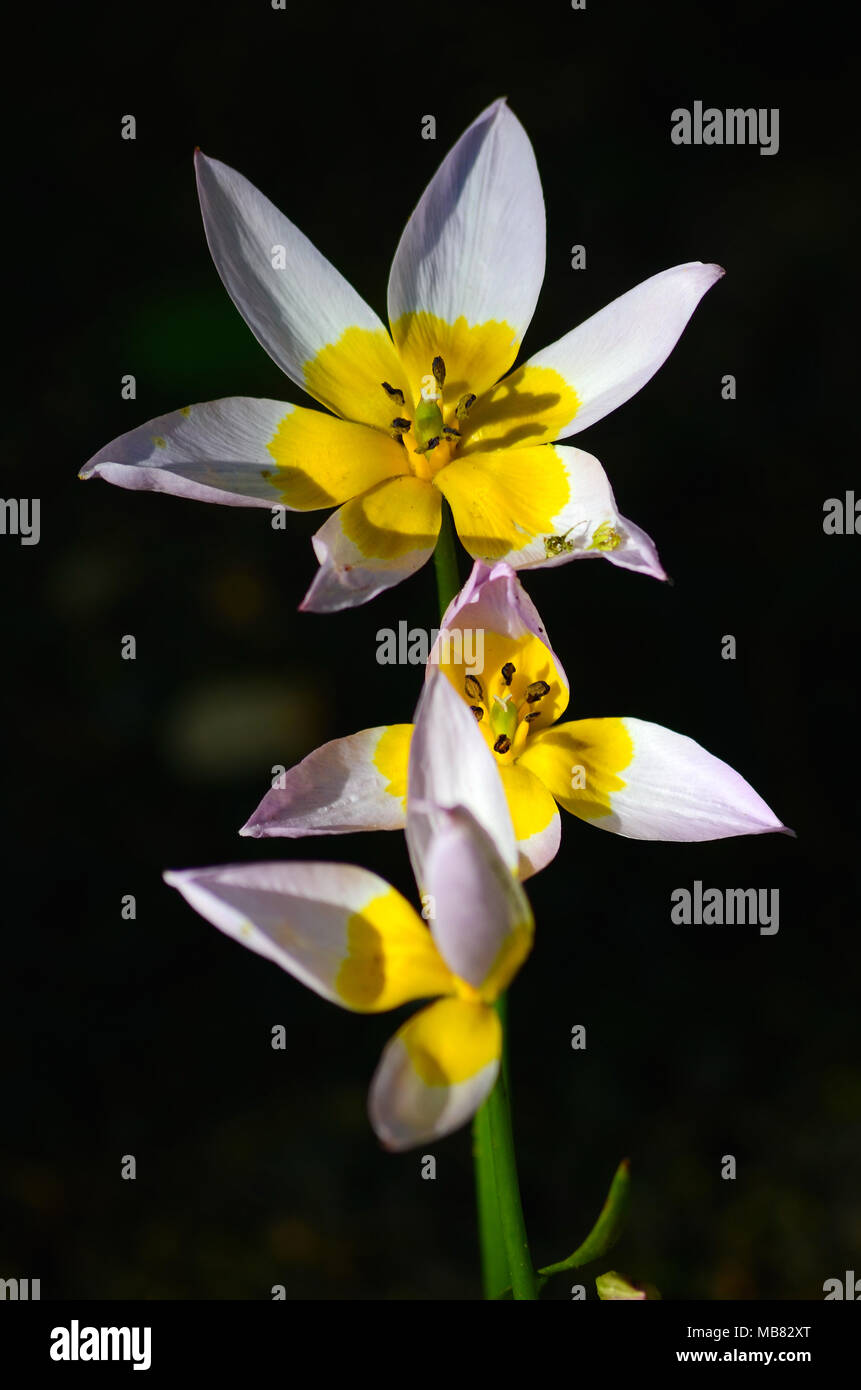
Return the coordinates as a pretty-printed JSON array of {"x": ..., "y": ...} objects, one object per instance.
[
  {"x": 438, "y": 369},
  {"x": 427, "y": 448},
  {"x": 508, "y": 671},
  {"x": 400, "y": 422},
  {"x": 393, "y": 391},
  {"x": 536, "y": 691},
  {"x": 452, "y": 434},
  {"x": 464, "y": 405},
  {"x": 472, "y": 686},
  {"x": 478, "y": 712},
  {"x": 502, "y": 744},
  {"x": 534, "y": 714}
]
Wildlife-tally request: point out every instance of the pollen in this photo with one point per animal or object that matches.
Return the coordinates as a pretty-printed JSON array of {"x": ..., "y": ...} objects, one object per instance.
[
  {"x": 605, "y": 537},
  {"x": 536, "y": 691}
]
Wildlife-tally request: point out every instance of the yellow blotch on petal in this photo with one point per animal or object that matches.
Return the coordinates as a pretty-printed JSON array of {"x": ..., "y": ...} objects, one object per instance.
[
  {"x": 452, "y": 1041},
  {"x": 322, "y": 461},
  {"x": 475, "y": 354},
  {"x": 501, "y": 501},
  {"x": 395, "y": 518},
  {"x": 579, "y": 763},
  {"x": 347, "y": 376},
  {"x": 529, "y": 407},
  {"x": 391, "y": 759},
  {"x": 530, "y": 803},
  {"x": 390, "y": 957}
]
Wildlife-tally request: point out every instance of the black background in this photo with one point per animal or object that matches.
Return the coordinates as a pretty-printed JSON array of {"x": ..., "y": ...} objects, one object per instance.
[{"x": 152, "y": 1037}]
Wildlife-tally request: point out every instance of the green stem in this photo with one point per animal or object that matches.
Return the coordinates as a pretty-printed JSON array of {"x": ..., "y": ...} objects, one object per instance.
[
  {"x": 494, "y": 1260},
  {"x": 445, "y": 560},
  {"x": 505, "y": 1256},
  {"x": 524, "y": 1284}
]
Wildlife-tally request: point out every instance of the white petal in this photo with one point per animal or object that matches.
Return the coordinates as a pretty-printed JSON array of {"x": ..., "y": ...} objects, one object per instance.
[
  {"x": 497, "y": 499},
  {"x": 435, "y": 1073},
  {"x": 645, "y": 782},
  {"x": 676, "y": 790},
  {"x": 294, "y": 301},
  {"x": 340, "y": 930},
  {"x": 373, "y": 542},
  {"x": 214, "y": 452},
  {"x": 614, "y": 353},
  {"x": 349, "y": 784},
  {"x": 475, "y": 245},
  {"x": 480, "y": 920}
]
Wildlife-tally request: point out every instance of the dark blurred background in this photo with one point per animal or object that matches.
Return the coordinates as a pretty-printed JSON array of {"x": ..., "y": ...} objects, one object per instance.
[{"x": 152, "y": 1037}]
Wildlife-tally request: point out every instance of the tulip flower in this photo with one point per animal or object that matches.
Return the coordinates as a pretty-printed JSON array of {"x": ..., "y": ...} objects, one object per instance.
[
  {"x": 625, "y": 775},
  {"x": 428, "y": 410},
  {"x": 347, "y": 934}
]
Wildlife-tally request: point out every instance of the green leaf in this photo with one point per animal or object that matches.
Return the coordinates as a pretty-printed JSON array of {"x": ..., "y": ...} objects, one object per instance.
[{"x": 607, "y": 1228}]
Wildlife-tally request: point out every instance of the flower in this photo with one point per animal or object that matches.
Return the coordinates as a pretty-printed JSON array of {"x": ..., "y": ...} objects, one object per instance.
[
  {"x": 352, "y": 938},
  {"x": 635, "y": 778},
  {"x": 429, "y": 411}
]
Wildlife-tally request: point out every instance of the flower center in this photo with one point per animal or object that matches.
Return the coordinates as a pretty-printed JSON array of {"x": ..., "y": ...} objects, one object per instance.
[
  {"x": 504, "y": 718},
  {"x": 431, "y": 433}
]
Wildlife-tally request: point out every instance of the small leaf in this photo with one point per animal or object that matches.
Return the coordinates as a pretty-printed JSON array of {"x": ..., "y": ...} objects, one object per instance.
[{"x": 607, "y": 1228}]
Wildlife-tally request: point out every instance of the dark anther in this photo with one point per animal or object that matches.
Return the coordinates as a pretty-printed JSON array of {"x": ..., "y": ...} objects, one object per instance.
[
  {"x": 464, "y": 405},
  {"x": 393, "y": 391},
  {"x": 452, "y": 434},
  {"x": 508, "y": 671},
  {"x": 431, "y": 444},
  {"x": 401, "y": 423},
  {"x": 438, "y": 369},
  {"x": 502, "y": 744},
  {"x": 533, "y": 714},
  {"x": 472, "y": 686},
  {"x": 478, "y": 712},
  {"x": 536, "y": 691}
]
